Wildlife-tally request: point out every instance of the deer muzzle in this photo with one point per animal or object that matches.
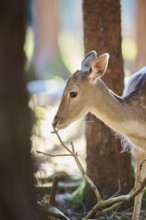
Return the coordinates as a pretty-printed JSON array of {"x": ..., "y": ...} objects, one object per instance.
[{"x": 60, "y": 122}]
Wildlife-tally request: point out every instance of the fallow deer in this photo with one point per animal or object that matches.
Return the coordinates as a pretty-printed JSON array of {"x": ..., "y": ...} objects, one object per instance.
[{"x": 86, "y": 92}]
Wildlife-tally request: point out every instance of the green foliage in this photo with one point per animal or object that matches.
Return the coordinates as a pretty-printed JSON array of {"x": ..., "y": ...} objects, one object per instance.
[
  {"x": 40, "y": 113},
  {"x": 78, "y": 195},
  {"x": 144, "y": 200},
  {"x": 71, "y": 58},
  {"x": 28, "y": 46},
  {"x": 132, "y": 176},
  {"x": 129, "y": 49}
]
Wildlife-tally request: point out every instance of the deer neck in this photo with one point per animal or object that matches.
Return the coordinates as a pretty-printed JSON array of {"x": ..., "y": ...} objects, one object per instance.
[{"x": 108, "y": 107}]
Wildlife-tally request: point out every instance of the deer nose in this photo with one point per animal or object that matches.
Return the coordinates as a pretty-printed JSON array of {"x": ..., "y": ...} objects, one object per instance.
[{"x": 55, "y": 121}]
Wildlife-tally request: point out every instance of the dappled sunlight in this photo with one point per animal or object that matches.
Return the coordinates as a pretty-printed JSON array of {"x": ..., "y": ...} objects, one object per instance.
[
  {"x": 45, "y": 141},
  {"x": 54, "y": 55},
  {"x": 129, "y": 49},
  {"x": 72, "y": 57},
  {"x": 29, "y": 43},
  {"x": 127, "y": 76}
]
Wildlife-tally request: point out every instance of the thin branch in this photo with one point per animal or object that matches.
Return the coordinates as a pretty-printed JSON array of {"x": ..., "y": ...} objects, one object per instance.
[
  {"x": 53, "y": 190},
  {"x": 141, "y": 164},
  {"x": 114, "y": 202},
  {"x": 118, "y": 190},
  {"x": 106, "y": 205},
  {"x": 72, "y": 146},
  {"x": 111, "y": 208},
  {"x": 79, "y": 165},
  {"x": 53, "y": 155},
  {"x": 61, "y": 142}
]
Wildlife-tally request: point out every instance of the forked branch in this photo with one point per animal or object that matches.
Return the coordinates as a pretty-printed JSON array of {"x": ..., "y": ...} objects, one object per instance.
[
  {"x": 113, "y": 203},
  {"x": 102, "y": 206},
  {"x": 79, "y": 165}
]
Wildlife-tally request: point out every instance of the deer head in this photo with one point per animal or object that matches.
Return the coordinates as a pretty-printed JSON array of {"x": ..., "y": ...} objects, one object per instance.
[{"x": 80, "y": 89}]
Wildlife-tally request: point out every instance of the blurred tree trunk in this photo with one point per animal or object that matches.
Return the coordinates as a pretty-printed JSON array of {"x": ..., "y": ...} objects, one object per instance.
[
  {"x": 16, "y": 170},
  {"x": 140, "y": 34},
  {"x": 105, "y": 164},
  {"x": 46, "y": 61}
]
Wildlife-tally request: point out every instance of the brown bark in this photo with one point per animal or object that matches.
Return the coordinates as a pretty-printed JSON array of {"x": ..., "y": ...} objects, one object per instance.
[
  {"x": 46, "y": 61},
  {"x": 16, "y": 184},
  {"x": 140, "y": 34},
  {"x": 105, "y": 164}
]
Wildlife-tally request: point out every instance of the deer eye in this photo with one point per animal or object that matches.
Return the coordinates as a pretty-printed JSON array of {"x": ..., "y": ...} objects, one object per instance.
[{"x": 73, "y": 94}]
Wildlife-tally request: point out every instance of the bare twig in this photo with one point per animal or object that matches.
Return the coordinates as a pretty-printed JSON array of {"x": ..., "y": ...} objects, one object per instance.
[
  {"x": 79, "y": 165},
  {"x": 109, "y": 209},
  {"x": 53, "y": 155},
  {"x": 102, "y": 206},
  {"x": 118, "y": 190},
  {"x": 141, "y": 164},
  {"x": 53, "y": 190},
  {"x": 61, "y": 142},
  {"x": 112, "y": 203}
]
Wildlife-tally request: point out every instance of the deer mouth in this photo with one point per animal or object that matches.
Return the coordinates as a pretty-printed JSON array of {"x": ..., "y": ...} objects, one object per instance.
[{"x": 60, "y": 123}]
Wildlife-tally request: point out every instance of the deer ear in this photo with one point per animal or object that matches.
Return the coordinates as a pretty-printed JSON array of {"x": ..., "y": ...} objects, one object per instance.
[
  {"x": 88, "y": 60},
  {"x": 99, "y": 66}
]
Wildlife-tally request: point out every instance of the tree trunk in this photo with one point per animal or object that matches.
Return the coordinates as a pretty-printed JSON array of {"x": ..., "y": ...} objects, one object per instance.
[
  {"x": 140, "y": 34},
  {"x": 46, "y": 60},
  {"x": 105, "y": 164},
  {"x": 16, "y": 170}
]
